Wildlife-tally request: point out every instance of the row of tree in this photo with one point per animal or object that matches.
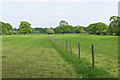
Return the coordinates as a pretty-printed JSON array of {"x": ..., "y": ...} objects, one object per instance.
[
  {"x": 7, "y": 29},
  {"x": 102, "y": 28},
  {"x": 64, "y": 27},
  {"x": 95, "y": 28}
]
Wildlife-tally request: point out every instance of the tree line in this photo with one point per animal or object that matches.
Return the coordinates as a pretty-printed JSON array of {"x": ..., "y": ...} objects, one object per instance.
[{"x": 99, "y": 28}]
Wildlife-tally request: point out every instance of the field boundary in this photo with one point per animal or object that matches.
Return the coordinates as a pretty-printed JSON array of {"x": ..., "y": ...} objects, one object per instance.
[{"x": 61, "y": 45}]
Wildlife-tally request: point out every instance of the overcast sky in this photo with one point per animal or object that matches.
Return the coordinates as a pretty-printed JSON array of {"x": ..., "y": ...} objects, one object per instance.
[{"x": 44, "y": 13}]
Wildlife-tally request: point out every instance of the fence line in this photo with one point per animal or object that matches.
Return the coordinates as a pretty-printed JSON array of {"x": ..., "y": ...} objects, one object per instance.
[{"x": 61, "y": 45}]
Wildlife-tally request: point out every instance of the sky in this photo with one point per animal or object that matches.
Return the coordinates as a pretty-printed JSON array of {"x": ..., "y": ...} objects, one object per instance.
[{"x": 44, "y": 13}]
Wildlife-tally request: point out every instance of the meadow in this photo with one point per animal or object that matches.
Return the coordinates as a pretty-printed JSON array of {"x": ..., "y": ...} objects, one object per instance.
[{"x": 37, "y": 56}]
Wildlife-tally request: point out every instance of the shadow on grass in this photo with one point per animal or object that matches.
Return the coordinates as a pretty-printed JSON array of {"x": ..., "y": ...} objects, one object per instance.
[
  {"x": 3, "y": 56},
  {"x": 82, "y": 67}
]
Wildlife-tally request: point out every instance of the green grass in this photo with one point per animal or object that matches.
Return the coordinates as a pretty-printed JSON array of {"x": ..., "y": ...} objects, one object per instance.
[
  {"x": 36, "y": 56},
  {"x": 33, "y": 56},
  {"x": 105, "y": 50}
]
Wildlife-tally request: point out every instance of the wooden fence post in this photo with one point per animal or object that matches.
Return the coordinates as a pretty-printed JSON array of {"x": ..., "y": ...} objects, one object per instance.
[
  {"x": 79, "y": 49},
  {"x": 70, "y": 48},
  {"x": 93, "y": 56},
  {"x": 66, "y": 45}
]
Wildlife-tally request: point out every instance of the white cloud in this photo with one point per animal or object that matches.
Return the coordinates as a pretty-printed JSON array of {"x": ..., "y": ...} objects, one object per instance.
[{"x": 60, "y": 0}]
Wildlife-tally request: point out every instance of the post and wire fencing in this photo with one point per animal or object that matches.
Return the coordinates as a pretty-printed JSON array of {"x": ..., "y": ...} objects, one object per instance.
[{"x": 63, "y": 44}]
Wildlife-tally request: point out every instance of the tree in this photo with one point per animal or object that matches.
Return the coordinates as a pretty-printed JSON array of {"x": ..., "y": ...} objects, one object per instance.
[
  {"x": 25, "y": 27},
  {"x": 85, "y": 29},
  {"x": 114, "y": 26},
  {"x": 98, "y": 28},
  {"x": 79, "y": 29},
  {"x": 50, "y": 31},
  {"x": 62, "y": 23},
  {"x": 67, "y": 29},
  {"x": 1, "y": 28},
  {"x": 6, "y": 28},
  {"x": 39, "y": 30},
  {"x": 64, "y": 27}
]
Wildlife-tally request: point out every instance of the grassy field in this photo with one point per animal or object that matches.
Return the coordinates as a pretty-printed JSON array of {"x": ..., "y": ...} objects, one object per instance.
[
  {"x": 36, "y": 56},
  {"x": 105, "y": 50}
]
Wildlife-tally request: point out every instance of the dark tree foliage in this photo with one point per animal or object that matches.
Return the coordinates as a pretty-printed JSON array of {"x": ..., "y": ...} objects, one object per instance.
[
  {"x": 64, "y": 27},
  {"x": 79, "y": 29},
  {"x": 5, "y": 28},
  {"x": 97, "y": 28},
  {"x": 114, "y": 26},
  {"x": 39, "y": 30},
  {"x": 25, "y": 27}
]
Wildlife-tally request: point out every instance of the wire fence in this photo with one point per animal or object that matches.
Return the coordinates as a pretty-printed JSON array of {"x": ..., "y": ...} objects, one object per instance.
[{"x": 63, "y": 44}]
